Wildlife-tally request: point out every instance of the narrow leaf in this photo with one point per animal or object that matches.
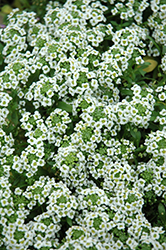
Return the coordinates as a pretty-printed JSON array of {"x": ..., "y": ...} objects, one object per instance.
[
  {"x": 164, "y": 50},
  {"x": 65, "y": 106},
  {"x": 15, "y": 118},
  {"x": 69, "y": 221},
  {"x": 162, "y": 213},
  {"x": 137, "y": 136}
]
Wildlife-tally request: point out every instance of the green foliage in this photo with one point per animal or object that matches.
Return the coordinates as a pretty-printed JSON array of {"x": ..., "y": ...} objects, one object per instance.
[
  {"x": 93, "y": 197},
  {"x": 87, "y": 134},
  {"x": 71, "y": 159},
  {"x": 38, "y": 6},
  {"x": 98, "y": 114},
  {"x": 143, "y": 246},
  {"x": 69, "y": 221},
  {"x": 120, "y": 235},
  {"x": 97, "y": 222},
  {"x": 18, "y": 235},
  {"x": 150, "y": 197},
  {"x": 1, "y": 57},
  {"x": 65, "y": 106},
  {"x": 61, "y": 199},
  {"x": 162, "y": 214},
  {"x": 44, "y": 171},
  {"x": 147, "y": 175},
  {"x": 77, "y": 234},
  {"x": 131, "y": 198}
]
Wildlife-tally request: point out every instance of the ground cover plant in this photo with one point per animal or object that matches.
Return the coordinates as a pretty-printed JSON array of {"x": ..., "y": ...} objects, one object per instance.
[{"x": 83, "y": 126}]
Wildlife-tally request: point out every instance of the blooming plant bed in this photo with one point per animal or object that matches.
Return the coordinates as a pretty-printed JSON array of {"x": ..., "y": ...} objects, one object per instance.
[{"x": 83, "y": 127}]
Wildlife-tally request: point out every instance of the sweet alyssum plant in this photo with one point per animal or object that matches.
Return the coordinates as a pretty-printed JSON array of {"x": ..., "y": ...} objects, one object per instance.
[{"x": 82, "y": 127}]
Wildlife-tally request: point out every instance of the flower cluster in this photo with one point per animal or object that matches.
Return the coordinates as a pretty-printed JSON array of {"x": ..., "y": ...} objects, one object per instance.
[{"x": 82, "y": 127}]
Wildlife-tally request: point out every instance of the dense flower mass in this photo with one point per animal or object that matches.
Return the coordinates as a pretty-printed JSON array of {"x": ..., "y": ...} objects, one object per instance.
[{"x": 83, "y": 127}]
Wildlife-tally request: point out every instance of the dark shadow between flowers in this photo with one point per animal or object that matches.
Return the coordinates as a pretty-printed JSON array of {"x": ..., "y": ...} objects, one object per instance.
[{"x": 151, "y": 210}]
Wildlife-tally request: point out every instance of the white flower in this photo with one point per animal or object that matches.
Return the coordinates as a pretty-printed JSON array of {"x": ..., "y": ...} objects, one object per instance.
[
  {"x": 162, "y": 96},
  {"x": 4, "y": 99}
]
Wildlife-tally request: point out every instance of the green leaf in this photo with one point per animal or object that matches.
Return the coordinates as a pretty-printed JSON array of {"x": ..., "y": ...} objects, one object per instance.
[
  {"x": 136, "y": 135},
  {"x": 14, "y": 118},
  {"x": 163, "y": 182},
  {"x": 129, "y": 79},
  {"x": 65, "y": 106},
  {"x": 161, "y": 209},
  {"x": 154, "y": 115},
  {"x": 42, "y": 171},
  {"x": 9, "y": 129},
  {"x": 69, "y": 221},
  {"x": 20, "y": 182},
  {"x": 1, "y": 56},
  {"x": 143, "y": 246},
  {"x": 25, "y": 3},
  {"x": 155, "y": 44},
  {"x": 51, "y": 163},
  {"x": 162, "y": 213},
  {"x": 164, "y": 50},
  {"x": 34, "y": 77},
  {"x": 141, "y": 69},
  {"x": 140, "y": 149},
  {"x": 126, "y": 92}
]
